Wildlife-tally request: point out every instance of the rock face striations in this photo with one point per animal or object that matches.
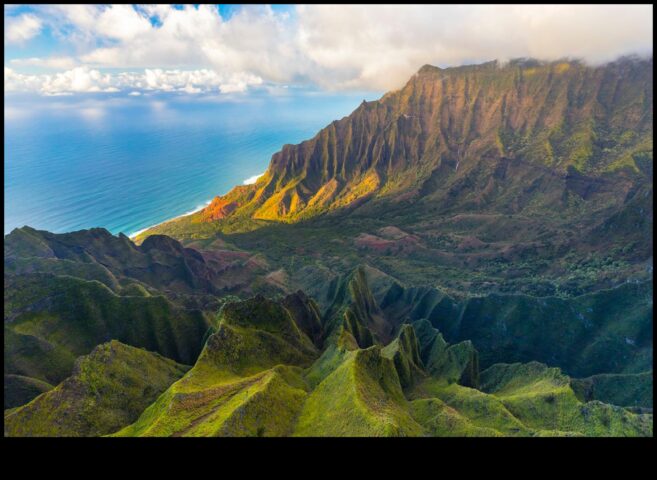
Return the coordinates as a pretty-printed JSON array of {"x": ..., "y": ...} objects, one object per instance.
[
  {"x": 470, "y": 255},
  {"x": 467, "y": 137},
  {"x": 530, "y": 177}
]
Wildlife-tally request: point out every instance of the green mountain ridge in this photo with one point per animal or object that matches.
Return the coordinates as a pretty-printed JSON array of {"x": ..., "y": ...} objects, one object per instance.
[
  {"x": 470, "y": 255},
  {"x": 533, "y": 177},
  {"x": 556, "y": 115},
  {"x": 107, "y": 390},
  {"x": 260, "y": 375}
]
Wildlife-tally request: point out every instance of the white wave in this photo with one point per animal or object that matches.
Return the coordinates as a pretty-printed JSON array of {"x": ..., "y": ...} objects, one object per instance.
[
  {"x": 198, "y": 208},
  {"x": 253, "y": 179},
  {"x": 133, "y": 235}
]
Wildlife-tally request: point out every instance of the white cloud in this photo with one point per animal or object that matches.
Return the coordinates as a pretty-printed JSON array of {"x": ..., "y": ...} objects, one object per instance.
[
  {"x": 380, "y": 47},
  {"x": 21, "y": 28},
  {"x": 195, "y": 81},
  {"x": 17, "y": 82},
  {"x": 58, "y": 63},
  {"x": 84, "y": 79},
  {"x": 193, "y": 49},
  {"x": 180, "y": 41},
  {"x": 79, "y": 79},
  {"x": 121, "y": 22},
  {"x": 91, "y": 23}
]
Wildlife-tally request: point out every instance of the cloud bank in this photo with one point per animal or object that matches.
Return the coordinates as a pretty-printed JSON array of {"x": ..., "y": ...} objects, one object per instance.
[
  {"x": 195, "y": 49},
  {"x": 84, "y": 79}
]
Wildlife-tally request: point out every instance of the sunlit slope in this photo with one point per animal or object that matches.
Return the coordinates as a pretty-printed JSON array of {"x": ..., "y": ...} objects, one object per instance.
[
  {"x": 527, "y": 177},
  {"x": 564, "y": 128},
  {"x": 259, "y": 375},
  {"x": 108, "y": 389},
  {"x": 247, "y": 381}
]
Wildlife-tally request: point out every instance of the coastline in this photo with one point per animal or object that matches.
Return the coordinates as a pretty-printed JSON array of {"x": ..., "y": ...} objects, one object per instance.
[{"x": 198, "y": 208}]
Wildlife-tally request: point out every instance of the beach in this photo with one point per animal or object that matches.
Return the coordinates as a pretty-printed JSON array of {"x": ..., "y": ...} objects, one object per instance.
[
  {"x": 135, "y": 166},
  {"x": 248, "y": 181}
]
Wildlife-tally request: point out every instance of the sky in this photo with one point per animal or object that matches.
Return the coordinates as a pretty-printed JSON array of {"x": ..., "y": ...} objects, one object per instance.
[{"x": 226, "y": 50}]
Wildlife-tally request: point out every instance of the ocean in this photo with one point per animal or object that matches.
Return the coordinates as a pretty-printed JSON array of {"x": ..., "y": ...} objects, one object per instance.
[{"x": 126, "y": 163}]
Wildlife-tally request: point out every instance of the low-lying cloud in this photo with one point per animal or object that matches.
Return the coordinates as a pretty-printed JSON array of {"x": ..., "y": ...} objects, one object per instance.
[{"x": 85, "y": 79}]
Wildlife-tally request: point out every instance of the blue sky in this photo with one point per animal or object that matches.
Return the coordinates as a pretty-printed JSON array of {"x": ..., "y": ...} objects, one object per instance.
[
  {"x": 45, "y": 43},
  {"x": 230, "y": 49}
]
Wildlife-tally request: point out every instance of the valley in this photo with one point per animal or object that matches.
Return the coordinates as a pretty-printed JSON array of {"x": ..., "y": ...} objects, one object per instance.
[{"x": 470, "y": 255}]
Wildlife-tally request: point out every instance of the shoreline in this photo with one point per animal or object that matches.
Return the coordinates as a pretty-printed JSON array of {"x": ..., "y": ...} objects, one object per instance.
[{"x": 198, "y": 208}]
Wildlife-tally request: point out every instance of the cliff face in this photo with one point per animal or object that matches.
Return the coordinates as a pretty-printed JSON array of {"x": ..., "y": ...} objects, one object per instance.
[
  {"x": 503, "y": 214},
  {"x": 558, "y": 127}
]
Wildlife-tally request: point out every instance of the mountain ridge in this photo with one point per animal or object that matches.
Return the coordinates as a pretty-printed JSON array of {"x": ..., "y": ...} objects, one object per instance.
[
  {"x": 454, "y": 114},
  {"x": 470, "y": 255},
  {"x": 536, "y": 160}
]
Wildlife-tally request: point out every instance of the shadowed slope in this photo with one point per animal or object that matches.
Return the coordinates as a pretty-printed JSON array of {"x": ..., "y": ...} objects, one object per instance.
[
  {"x": 159, "y": 264},
  {"x": 51, "y": 320},
  {"x": 625, "y": 390},
  {"x": 448, "y": 129},
  {"x": 609, "y": 331},
  {"x": 245, "y": 382}
]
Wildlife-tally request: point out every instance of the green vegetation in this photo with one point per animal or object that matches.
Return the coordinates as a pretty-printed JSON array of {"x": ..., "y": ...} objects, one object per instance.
[
  {"x": 55, "y": 319},
  {"x": 521, "y": 399},
  {"x": 19, "y": 389},
  {"x": 404, "y": 351},
  {"x": 609, "y": 331},
  {"x": 260, "y": 374},
  {"x": 245, "y": 382},
  {"x": 374, "y": 391},
  {"x": 471, "y": 255},
  {"x": 362, "y": 397},
  {"x": 542, "y": 398},
  {"x": 625, "y": 390},
  {"x": 205, "y": 403},
  {"x": 108, "y": 389}
]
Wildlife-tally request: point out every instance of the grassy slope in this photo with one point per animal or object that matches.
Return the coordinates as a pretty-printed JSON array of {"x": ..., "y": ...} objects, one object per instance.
[
  {"x": 54, "y": 319},
  {"x": 109, "y": 388},
  {"x": 625, "y": 390},
  {"x": 530, "y": 400},
  {"x": 609, "y": 331},
  {"x": 247, "y": 380},
  {"x": 240, "y": 386},
  {"x": 362, "y": 397},
  {"x": 507, "y": 178},
  {"x": 542, "y": 398}
]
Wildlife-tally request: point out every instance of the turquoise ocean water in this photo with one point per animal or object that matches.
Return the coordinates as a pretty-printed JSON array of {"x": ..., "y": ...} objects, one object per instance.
[{"x": 127, "y": 163}]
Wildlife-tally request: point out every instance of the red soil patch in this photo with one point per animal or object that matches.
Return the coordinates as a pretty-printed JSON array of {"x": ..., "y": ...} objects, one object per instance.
[{"x": 219, "y": 208}]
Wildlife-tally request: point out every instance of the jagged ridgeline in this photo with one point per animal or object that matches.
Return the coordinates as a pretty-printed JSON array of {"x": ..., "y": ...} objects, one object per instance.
[
  {"x": 65, "y": 294},
  {"x": 448, "y": 128},
  {"x": 528, "y": 176},
  {"x": 358, "y": 367},
  {"x": 470, "y": 255}
]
